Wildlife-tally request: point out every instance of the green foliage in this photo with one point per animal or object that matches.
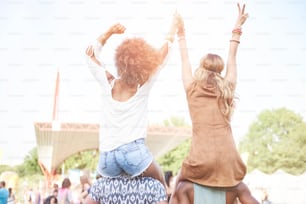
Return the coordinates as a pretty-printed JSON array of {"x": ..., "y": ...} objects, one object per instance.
[
  {"x": 172, "y": 160},
  {"x": 30, "y": 165},
  {"x": 4, "y": 168},
  {"x": 83, "y": 160},
  {"x": 175, "y": 121},
  {"x": 276, "y": 140},
  {"x": 27, "y": 181}
]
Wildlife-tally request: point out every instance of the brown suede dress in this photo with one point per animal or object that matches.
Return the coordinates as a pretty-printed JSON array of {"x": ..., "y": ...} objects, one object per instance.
[{"x": 213, "y": 159}]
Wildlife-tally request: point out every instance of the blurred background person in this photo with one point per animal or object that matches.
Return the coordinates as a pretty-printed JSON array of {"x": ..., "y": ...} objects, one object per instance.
[
  {"x": 170, "y": 182},
  {"x": 4, "y": 193},
  {"x": 85, "y": 187},
  {"x": 52, "y": 199},
  {"x": 65, "y": 193},
  {"x": 11, "y": 197}
]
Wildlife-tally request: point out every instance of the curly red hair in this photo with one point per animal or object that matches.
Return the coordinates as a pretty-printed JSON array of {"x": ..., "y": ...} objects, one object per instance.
[{"x": 136, "y": 61}]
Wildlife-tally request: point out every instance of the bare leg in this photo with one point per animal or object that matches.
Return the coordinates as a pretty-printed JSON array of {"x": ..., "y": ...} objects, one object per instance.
[
  {"x": 155, "y": 172},
  {"x": 89, "y": 200},
  {"x": 231, "y": 196},
  {"x": 183, "y": 193},
  {"x": 243, "y": 193}
]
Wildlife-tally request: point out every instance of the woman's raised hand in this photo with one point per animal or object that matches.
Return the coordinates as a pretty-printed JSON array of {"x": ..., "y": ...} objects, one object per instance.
[
  {"x": 180, "y": 23},
  {"x": 117, "y": 29},
  {"x": 242, "y": 16}
]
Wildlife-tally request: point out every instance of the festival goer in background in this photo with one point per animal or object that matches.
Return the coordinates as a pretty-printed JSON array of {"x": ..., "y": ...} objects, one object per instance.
[
  {"x": 55, "y": 186},
  {"x": 265, "y": 197},
  {"x": 123, "y": 190},
  {"x": 213, "y": 159},
  {"x": 37, "y": 197},
  {"x": 52, "y": 199},
  {"x": 170, "y": 182},
  {"x": 124, "y": 120},
  {"x": 29, "y": 196},
  {"x": 11, "y": 198},
  {"x": 85, "y": 187},
  {"x": 64, "y": 193},
  {"x": 4, "y": 193}
]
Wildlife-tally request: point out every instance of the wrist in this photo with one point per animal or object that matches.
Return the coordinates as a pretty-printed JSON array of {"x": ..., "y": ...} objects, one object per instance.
[
  {"x": 235, "y": 41},
  {"x": 181, "y": 32},
  {"x": 237, "y": 31},
  {"x": 103, "y": 38}
]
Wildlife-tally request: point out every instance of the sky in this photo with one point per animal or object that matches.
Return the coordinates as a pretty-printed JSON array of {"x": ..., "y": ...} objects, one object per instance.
[{"x": 39, "y": 38}]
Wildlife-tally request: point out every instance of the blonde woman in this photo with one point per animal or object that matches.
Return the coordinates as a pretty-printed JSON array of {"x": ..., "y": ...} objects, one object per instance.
[{"x": 213, "y": 159}]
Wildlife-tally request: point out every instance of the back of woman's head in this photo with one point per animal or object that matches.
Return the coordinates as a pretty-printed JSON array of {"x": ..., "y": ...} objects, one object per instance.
[
  {"x": 66, "y": 183},
  {"x": 136, "y": 61},
  {"x": 211, "y": 65},
  {"x": 210, "y": 68},
  {"x": 212, "y": 62}
]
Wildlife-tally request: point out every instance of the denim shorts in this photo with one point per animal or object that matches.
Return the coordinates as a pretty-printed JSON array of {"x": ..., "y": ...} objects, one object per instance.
[{"x": 132, "y": 159}]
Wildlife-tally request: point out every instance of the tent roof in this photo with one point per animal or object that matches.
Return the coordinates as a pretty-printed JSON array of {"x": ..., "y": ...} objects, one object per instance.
[{"x": 56, "y": 144}]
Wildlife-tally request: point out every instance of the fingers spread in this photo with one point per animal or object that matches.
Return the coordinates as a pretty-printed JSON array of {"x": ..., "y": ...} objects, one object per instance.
[
  {"x": 243, "y": 7},
  {"x": 239, "y": 9}
]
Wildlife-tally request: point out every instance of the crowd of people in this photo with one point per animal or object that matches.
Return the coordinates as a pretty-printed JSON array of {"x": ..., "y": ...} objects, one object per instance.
[
  {"x": 78, "y": 191},
  {"x": 66, "y": 193}
]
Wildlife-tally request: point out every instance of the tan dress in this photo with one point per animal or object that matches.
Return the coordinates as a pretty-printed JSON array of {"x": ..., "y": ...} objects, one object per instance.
[{"x": 213, "y": 159}]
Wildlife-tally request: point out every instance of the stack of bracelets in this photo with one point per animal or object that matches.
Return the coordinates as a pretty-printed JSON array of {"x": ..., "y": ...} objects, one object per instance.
[
  {"x": 238, "y": 32},
  {"x": 181, "y": 34}
]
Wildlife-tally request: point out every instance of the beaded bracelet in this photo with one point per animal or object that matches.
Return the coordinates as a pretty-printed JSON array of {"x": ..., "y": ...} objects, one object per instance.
[
  {"x": 237, "y": 30},
  {"x": 182, "y": 37},
  {"x": 181, "y": 32},
  {"x": 236, "y": 41}
]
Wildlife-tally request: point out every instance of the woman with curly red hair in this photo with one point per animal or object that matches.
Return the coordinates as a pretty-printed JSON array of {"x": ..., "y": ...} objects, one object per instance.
[{"x": 123, "y": 128}]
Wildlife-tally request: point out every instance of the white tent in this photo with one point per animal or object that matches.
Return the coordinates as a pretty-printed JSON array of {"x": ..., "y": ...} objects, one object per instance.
[{"x": 282, "y": 188}]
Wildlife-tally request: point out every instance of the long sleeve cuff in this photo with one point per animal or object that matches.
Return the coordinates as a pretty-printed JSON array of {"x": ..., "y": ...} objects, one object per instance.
[{"x": 97, "y": 46}]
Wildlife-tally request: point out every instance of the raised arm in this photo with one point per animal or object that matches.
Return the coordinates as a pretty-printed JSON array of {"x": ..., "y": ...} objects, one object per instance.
[
  {"x": 164, "y": 50},
  {"x": 186, "y": 66},
  {"x": 93, "y": 51},
  {"x": 231, "y": 66},
  {"x": 114, "y": 29}
]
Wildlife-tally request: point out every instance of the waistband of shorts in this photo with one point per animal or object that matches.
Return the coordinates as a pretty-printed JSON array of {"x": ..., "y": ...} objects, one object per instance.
[{"x": 139, "y": 141}]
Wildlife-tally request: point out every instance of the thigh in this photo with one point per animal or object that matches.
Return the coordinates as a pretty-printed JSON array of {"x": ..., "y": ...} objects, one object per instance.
[
  {"x": 155, "y": 172},
  {"x": 183, "y": 193}
]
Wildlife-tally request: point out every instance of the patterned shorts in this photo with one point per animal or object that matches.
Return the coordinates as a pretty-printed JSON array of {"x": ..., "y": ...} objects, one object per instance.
[{"x": 127, "y": 190}]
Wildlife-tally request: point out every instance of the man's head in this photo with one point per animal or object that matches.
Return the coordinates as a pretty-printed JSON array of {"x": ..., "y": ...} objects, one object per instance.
[{"x": 2, "y": 184}]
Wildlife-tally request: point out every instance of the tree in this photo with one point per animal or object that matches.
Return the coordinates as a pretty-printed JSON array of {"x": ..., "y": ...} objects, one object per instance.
[
  {"x": 83, "y": 160},
  {"x": 176, "y": 121},
  {"x": 276, "y": 140},
  {"x": 30, "y": 164},
  {"x": 172, "y": 161}
]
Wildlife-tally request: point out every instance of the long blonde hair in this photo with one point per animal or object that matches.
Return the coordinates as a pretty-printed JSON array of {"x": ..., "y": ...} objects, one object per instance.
[{"x": 209, "y": 70}]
